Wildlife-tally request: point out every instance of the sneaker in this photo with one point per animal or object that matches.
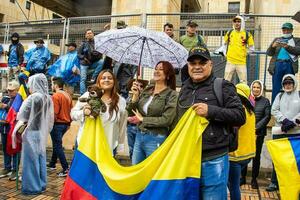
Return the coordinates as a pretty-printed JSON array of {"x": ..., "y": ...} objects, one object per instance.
[
  {"x": 51, "y": 167},
  {"x": 63, "y": 173},
  {"x": 254, "y": 184},
  {"x": 4, "y": 173},
  {"x": 13, "y": 175},
  {"x": 272, "y": 187},
  {"x": 20, "y": 178}
]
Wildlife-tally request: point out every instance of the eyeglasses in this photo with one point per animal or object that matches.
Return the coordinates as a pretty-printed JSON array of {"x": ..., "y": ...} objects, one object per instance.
[{"x": 288, "y": 82}]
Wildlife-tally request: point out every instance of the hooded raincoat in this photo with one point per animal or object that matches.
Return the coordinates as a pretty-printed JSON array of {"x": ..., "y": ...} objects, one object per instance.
[
  {"x": 64, "y": 66},
  {"x": 37, "y": 59},
  {"x": 37, "y": 111},
  {"x": 286, "y": 105}
]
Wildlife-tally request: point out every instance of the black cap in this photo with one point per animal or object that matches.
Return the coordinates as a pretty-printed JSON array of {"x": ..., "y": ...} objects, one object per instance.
[
  {"x": 288, "y": 80},
  {"x": 16, "y": 35},
  {"x": 201, "y": 52},
  {"x": 192, "y": 23},
  {"x": 39, "y": 40},
  {"x": 121, "y": 24},
  {"x": 73, "y": 44}
]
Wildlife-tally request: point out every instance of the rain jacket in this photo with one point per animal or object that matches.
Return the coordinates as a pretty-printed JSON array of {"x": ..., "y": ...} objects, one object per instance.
[
  {"x": 246, "y": 135},
  {"x": 287, "y": 105},
  {"x": 37, "y": 59},
  {"x": 38, "y": 112},
  {"x": 63, "y": 68},
  {"x": 262, "y": 111}
]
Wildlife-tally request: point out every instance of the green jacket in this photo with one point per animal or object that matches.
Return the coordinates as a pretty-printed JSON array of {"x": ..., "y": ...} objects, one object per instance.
[{"x": 161, "y": 111}]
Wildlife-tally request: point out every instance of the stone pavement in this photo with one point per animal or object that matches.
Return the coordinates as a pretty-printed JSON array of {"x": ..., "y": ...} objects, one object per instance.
[{"x": 8, "y": 189}]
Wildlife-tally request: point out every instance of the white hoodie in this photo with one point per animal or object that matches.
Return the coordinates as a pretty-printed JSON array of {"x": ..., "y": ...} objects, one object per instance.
[{"x": 286, "y": 105}]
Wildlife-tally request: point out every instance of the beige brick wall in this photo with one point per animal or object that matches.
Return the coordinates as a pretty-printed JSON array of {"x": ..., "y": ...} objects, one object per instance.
[{"x": 13, "y": 13}]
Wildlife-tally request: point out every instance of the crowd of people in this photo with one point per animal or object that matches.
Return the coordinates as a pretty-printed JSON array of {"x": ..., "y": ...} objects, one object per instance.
[{"x": 145, "y": 112}]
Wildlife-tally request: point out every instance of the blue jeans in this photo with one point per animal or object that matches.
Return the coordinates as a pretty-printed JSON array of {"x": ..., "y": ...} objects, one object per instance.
[
  {"x": 145, "y": 144},
  {"x": 57, "y": 134},
  {"x": 34, "y": 174},
  {"x": 131, "y": 134},
  {"x": 235, "y": 170},
  {"x": 97, "y": 66},
  {"x": 8, "y": 158},
  {"x": 281, "y": 69},
  {"x": 214, "y": 176}
]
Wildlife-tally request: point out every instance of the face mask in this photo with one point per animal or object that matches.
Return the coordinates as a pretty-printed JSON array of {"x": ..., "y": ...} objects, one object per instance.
[{"x": 288, "y": 35}]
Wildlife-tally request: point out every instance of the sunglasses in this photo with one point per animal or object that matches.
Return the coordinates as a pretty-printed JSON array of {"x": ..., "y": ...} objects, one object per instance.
[{"x": 288, "y": 82}]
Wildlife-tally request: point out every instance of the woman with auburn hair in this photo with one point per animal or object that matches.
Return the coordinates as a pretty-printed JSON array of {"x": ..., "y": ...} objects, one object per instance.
[
  {"x": 154, "y": 109},
  {"x": 115, "y": 115}
]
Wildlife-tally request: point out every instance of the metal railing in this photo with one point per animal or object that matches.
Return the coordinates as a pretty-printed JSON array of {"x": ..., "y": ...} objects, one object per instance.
[{"x": 212, "y": 27}]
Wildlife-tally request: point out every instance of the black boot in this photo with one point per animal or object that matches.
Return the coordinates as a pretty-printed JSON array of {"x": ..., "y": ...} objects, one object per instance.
[{"x": 254, "y": 184}]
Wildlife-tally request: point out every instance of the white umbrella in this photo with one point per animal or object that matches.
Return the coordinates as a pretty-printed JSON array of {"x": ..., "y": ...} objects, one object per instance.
[{"x": 141, "y": 47}]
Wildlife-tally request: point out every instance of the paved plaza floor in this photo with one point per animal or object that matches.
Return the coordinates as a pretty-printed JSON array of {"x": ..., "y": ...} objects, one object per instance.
[{"x": 8, "y": 190}]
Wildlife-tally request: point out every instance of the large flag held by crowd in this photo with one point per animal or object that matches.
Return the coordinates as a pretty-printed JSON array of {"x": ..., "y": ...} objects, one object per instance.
[
  {"x": 171, "y": 172},
  {"x": 11, "y": 118},
  {"x": 285, "y": 155}
]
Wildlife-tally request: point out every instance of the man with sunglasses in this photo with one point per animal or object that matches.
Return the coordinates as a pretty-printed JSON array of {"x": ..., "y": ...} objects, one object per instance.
[{"x": 197, "y": 92}]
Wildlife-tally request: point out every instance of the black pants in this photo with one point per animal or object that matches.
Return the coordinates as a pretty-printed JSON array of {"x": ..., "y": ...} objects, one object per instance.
[{"x": 256, "y": 159}]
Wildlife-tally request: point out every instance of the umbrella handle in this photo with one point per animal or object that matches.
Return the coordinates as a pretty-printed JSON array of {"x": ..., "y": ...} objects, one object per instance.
[{"x": 141, "y": 55}]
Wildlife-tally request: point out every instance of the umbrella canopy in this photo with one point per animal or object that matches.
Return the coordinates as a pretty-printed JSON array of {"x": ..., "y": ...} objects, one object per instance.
[
  {"x": 142, "y": 47},
  {"x": 297, "y": 17}
]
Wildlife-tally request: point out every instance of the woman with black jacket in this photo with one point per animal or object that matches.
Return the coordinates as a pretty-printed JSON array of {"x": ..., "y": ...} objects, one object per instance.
[{"x": 262, "y": 111}]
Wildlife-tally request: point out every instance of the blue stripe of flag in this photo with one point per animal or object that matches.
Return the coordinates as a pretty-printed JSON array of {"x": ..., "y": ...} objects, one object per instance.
[
  {"x": 87, "y": 175},
  {"x": 295, "y": 143}
]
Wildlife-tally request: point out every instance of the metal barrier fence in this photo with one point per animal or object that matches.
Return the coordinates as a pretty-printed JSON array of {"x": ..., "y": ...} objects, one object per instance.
[{"x": 212, "y": 27}]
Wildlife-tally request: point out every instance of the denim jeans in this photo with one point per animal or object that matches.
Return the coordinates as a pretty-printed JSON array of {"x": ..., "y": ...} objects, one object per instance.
[
  {"x": 34, "y": 174},
  {"x": 57, "y": 134},
  {"x": 131, "y": 134},
  {"x": 214, "y": 176},
  {"x": 235, "y": 170},
  {"x": 10, "y": 162},
  {"x": 281, "y": 69},
  {"x": 97, "y": 66},
  {"x": 145, "y": 144}
]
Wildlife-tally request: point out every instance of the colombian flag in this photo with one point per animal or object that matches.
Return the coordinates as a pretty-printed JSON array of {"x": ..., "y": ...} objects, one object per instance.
[
  {"x": 285, "y": 155},
  {"x": 171, "y": 172},
  {"x": 11, "y": 118}
]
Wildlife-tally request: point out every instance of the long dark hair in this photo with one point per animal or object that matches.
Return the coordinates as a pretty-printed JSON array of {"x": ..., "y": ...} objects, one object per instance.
[
  {"x": 249, "y": 107},
  {"x": 114, "y": 92},
  {"x": 169, "y": 73}
]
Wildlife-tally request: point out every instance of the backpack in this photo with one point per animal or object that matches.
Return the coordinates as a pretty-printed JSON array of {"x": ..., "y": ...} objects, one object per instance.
[
  {"x": 232, "y": 132},
  {"x": 229, "y": 33},
  {"x": 247, "y": 36}
]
